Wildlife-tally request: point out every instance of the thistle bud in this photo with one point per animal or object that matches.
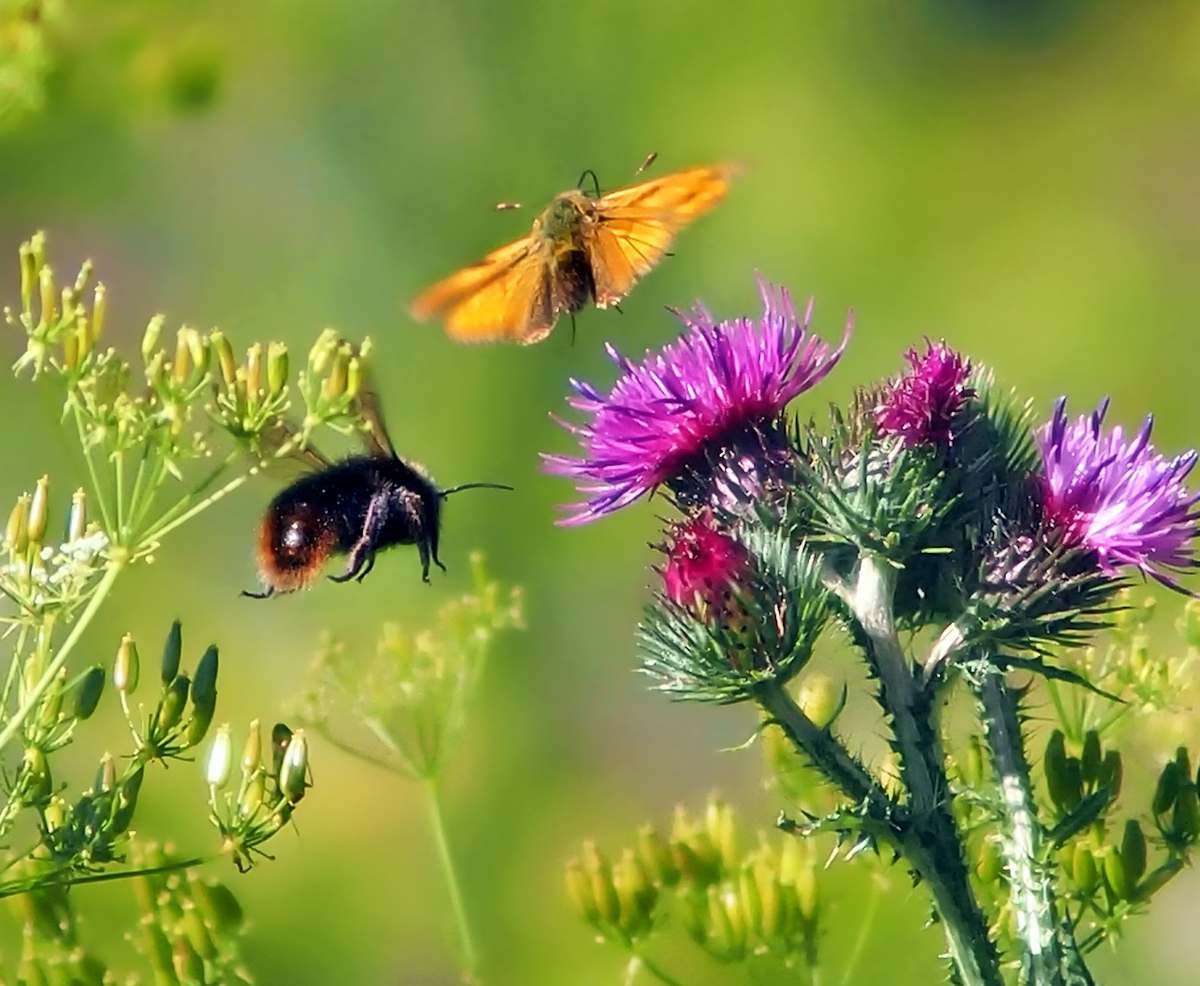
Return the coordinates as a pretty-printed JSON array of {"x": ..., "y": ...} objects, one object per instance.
[
  {"x": 204, "y": 687},
  {"x": 39, "y": 509},
  {"x": 293, "y": 775},
  {"x": 171, "y": 705},
  {"x": 225, "y": 358},
  {"x": 635, "y": 895},
  {"x": 1133, "y": 850},
  {"x": 254, "y": 370},
  {"x": 49, "y": 295},
  {"x": 656, "y": 857},
  {"x": 596, "y": 869},
  {"x": 16, "y": 531},
  {"x": 252, "y": 751},
  {"x": 77, "y": 519},
  {"x": 126, "y": 666},
  {"x": 820, "y": 699},
  {"x": 220, "y": 758},
  {"x": 1083, "y": 869},
  {"x": 172, "y": 649},
  {"x": 99, "y": 309},
  {"x": 281, "y": 736},
  {"x": 181, "y": 368},
  {"x": 1169, "y": 783},
  {"x": 151, "y": 337},
  {"x": 277, "y": 368},
  {"x": 88, "y": 692},
  {"x": 1116, "y": 875},
  {"x": 1185, "y": 820},
  {"x": 1090, "y": 761}
]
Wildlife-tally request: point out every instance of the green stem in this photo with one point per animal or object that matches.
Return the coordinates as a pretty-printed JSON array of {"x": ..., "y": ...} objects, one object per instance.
[
  {"x": 450, "y": 874},
  {"x": 864, "y": 931},
  {"x": 91, "y": 468},
  {"x": 1051, "y": 956},
  {"x": 167, "y": 523},
  {"x": 639, "y": 963},
  {"x": 103, "y": 588}
]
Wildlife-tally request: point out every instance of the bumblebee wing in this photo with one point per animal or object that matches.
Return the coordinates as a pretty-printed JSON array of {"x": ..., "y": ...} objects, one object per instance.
[
  {"x": 635, "y": 225},
  {"x": 506, "y": 296},
  {"x": 370, "y": 408},
  {"x": 280, "y": 448}
]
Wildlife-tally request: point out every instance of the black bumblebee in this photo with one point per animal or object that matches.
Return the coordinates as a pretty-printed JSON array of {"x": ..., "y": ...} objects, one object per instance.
[{"x": 356, "y": 507}]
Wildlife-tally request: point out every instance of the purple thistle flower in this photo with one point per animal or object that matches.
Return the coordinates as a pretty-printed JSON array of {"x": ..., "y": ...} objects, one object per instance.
[
  {"x": 670, "y": 415},
  {"x": 920, "y": 406},
  {"x": 1117, "y": 496}
]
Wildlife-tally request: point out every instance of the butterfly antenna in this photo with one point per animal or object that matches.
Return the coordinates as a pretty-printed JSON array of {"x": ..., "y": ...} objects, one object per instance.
[
  {"x": 595, "y": 181},
  {"x": 650, "y": 159},
  {"x": 475, "y": 486}
]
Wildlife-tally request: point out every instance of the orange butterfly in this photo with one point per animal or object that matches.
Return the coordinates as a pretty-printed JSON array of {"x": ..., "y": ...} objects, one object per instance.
[{"x": 583, "y": 246}]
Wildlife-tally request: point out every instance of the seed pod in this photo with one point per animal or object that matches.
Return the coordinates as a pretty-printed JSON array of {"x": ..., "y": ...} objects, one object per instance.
[
  {"x": 172, "y": 649},
  {"x": 77, "y": 518},
  {"x": 1090, "y": 761},
  {"x": 277, "y": 368},
  {"x": 254, "y": 371},
  {"x": 125, "y": 668},
  {"x": 171, "y": 705},
  {"x": 1185, "y": 763},
  {"x": 635, "y": 895},
  {"x": 198, "y": 350},
  {"x": 127, "y": 797},
  {"x": 88, "y": 692},
  {"x": 1112, "y": 773},
  {"x": 1116, "y": 875},
  {"x": 281, "y": 736},
  {"x": 579, "y": 892},
  {"x": 16, "y": 531},
  {"x": 1054, "y": 763},
  {"x": 1185, "y": 820},
  {"x": 99, "y": 309},
  {"x": 200, "y": 719},
  {"x": 49, "y": 296},
  {"x": 197, "y": 935},
  {"x": 354, "y": 377},
  {"x": 39, "y": 509},
  {"x": 1133, "y": 851},
  {"x": 596, "y": 868},
  {"x": 181, "y": 368},
  {"x": 39, "y": 782},
  {"x": 106, "y": 775},
  {"x": 52, "y": 703},
  {"x": 1169, "y": 783},
  {"x": 251, "y": 799},
  {"x": 656, "y": 857},
  {"x": 158, "y": 950},
  {"x": 770, "y": 899},
  {"x": 29, "y": 276},
  {"x": 204, "y": 686},
  {"x": 188, "y": 965},
  {"x": 293, "y": 775},
  {"x": 322, "y": 352},
  {"x": 722, "y": 831},
  {"x": 219, "y": 906},
  {"x": 220, "y": 758},
  {"x": 1083, "y": 869},
  {"x": 151, "y": 337},
  {"x": 335, "y": 383}
]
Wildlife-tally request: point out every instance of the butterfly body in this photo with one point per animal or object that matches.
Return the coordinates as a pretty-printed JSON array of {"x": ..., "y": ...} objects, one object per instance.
[{"x": 582, "y": 248}]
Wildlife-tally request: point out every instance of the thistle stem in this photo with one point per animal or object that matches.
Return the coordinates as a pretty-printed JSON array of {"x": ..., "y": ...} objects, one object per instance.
[
  {"x": 450, "y": 874},
  {"x": 103, "y": 588},
  {"x": 1051, "y": 955}
]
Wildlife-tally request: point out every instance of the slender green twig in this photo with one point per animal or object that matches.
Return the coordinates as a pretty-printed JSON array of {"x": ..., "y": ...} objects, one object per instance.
[
  {"x": 864, "y": 931},
  {"x": 450, "y": 873},
  {"x": 640, "y": 963}
]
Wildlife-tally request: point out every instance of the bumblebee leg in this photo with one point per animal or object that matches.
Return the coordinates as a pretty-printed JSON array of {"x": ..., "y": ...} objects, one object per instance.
[
  {"x": 423, "y": 549},
  {"x": 362, "y": 555},
  {"x": 572, "y": 329},
  {"x": 266, "y": 594}
]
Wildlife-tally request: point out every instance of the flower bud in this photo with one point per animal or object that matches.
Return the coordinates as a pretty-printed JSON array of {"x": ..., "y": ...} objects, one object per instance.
[
  {"x": 127, "y": 797},
  {"x": 1059, "y": 778},
  {"x": 322, "y": 352},
  {"x": 1083, "y": 869},
  {"x": 251, "y": 798},
  {"x": 39, "y": 782},
  {"x": 201, "y": 718},
  {"x": 53, "y": 701},
  {"x": 1185, "y": 820},
  {"x": 99, "y": 309},
  {"x": 77, "y": 519},
  {"x": 1112, "y": 773},
  {"x": 277, "y": 368},
  {"x": 225, "y": 358},
  {"x": 158, "y": 951},
  {"x": 88, "y": 692},
  {"x": 579, "y": 891},
  {"x": 204, "y": 686},
  {"x": 1133, "y": 850},
  {"x": 293, "y": 775},
  {"x": 219, "y": 906},
  {"x": 197, "y": 349},
  {"x": 656, "y": 857},
  {"x": 151, "y": 337},
  {"x": 1116, "y": 875},
  {"x": 722, "y": 831},
  {"x": 39, "y": 509},
  {"x": 354, "y": 377},
  {"x": 596, "y": 869},
  {"x": 254, "y": 370},
  {"x": 820, "y": 698},
  {"x": 172, "y": 649},
  {"x": 1169, "y": 783},
  {"x": 49, "y": 295},
  {"x": 335, "y": 383},
  {"x": 635, "y": 895},
  {"x": 220, "y": 758},
  {"x": 16, "y": 532},
  {"x": 29, "y": 275},
  {"x": 126, "y": 666},
  {"x": 726, "y": 929},
  {"x": 1185, "y": 763},
  {"x": 252, "y": 751},
  {"x": 186, "y": 961},
  {"x": 71, "y": 350},
  {"x": 770, "y": 897},
  {"x": 1090, "y": 761},
  {"x": 171, "y": 705},
  {"x": 181, "y": 368},
  {"x": 106, "y": 775}
]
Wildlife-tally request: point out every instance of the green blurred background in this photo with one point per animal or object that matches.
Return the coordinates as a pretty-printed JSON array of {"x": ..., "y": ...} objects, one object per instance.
[{"x": 1017, "y": 177}]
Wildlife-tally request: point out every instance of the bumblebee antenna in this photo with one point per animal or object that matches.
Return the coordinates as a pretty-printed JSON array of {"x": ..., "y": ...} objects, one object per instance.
[
  {"x": 595, "y": 181},
  {"x": 475, "y": 486}
]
